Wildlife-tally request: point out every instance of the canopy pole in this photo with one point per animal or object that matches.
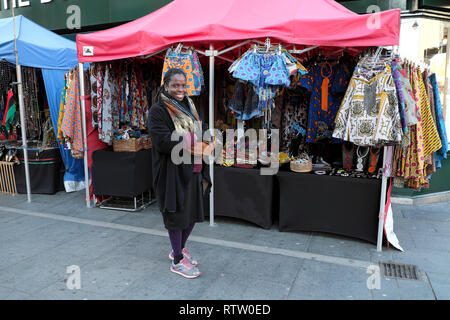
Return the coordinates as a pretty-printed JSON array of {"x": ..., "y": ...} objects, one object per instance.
[
  {"x": 382, "y": 204},
  {"x": 22, "y": 109},
  {"x": 83, "y": 124},
  {"x": 23, "y": 128},
  {"x": 211, "y": 54}
]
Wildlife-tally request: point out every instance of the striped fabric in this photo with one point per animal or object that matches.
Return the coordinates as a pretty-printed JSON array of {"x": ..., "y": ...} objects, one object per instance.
[{"x": 431, "y": 140}]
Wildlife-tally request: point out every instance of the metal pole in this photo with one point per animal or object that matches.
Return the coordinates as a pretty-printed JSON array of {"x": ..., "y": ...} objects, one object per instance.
[
  {"x": 211, "y": 127},
  {"x": 83, "y": 124},
  {"x": 447, "y": 60},
  {"x": 382, "y": 205},
  {"x": 22, "y": 109}
]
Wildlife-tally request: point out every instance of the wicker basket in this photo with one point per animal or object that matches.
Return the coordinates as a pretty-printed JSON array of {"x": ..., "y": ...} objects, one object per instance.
[
  {"x": 301, "y": 165},
  {"x": 131, "y": 145},
  {"x": 146, "y": 143}
]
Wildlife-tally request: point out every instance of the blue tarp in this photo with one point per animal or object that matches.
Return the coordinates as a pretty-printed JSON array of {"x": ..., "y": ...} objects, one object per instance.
[{"x": 40, "y": 48}]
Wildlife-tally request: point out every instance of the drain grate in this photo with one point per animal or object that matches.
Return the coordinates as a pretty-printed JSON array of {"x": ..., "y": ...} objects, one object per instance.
[{"x": 399, "y": 271}]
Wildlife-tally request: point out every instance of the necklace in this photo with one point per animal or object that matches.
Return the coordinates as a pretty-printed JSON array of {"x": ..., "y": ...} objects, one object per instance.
[{"x": 360, "y": 165}]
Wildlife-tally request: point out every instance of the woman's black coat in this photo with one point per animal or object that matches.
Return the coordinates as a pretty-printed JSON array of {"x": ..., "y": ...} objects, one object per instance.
[{"x": 169, "y": 180}]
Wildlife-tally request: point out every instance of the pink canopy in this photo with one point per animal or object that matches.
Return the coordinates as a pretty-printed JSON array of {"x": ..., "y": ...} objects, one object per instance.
[{"x": 303, "y": 22}]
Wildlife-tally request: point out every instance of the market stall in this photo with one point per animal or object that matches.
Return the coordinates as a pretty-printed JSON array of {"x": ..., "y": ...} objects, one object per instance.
[
  {"x": 232, "y": 32},
  {"x": 31, "y": 88}
]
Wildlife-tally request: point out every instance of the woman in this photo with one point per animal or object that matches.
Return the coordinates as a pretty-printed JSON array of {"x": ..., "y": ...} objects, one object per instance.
[{"x": 180, "y": 189}]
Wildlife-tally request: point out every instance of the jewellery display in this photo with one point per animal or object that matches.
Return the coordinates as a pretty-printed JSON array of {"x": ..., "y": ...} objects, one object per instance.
[
  {"x": 373, "y": 159},
  {"x": 347, "y": 155},
  {"x": 360, "y": 162}
]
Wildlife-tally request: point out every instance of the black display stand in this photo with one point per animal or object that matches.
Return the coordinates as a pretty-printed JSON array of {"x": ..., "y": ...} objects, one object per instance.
[
  {"x": 46, "y": 171},
  {"x": 339, "y": 205},
  {"x": 123, "y": 174},
  {"x": 244, "y": 194}
]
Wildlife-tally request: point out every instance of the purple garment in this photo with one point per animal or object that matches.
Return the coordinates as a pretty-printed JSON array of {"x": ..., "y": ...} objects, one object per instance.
[
  {"x": 188, "y": 143},
  {"x": 401, "y": 99},
  {"x": 389, "y": 161},
  {"x": 178, "y": 239},
  {"x": 175, "y": 237}
]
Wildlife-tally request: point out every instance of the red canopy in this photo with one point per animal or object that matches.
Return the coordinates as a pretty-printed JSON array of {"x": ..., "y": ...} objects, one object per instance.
[{"x": 303, "y": 22}]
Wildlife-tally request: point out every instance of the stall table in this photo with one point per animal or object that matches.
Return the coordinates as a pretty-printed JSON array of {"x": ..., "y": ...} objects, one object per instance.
[
  {"x": 123, "y": 174},
  {"x": 46, "y": 171},
  {"x": 243, "y": 193},
  {"x": 332, "y": 204}
]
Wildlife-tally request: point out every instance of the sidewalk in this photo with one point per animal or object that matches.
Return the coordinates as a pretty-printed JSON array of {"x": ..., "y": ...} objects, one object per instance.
[{"x": 124, "y": 255}]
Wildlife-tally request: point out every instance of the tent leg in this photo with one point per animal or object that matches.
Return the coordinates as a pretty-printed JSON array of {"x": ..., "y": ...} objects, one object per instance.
[
  {"x": 23, "y": 128},
  {"x": 211, "y": 127},
  {"x": 83, "y": 124},
  {"x": 382, "y": 205}
]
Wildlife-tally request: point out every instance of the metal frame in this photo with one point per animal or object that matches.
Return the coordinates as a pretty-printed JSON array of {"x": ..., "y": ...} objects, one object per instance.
[
  {"x": 83, "y": 125},
  {"x": 212, "y": 54},
  {"x": 139, "y": 204},
  {"x": 22, "y": 109}
]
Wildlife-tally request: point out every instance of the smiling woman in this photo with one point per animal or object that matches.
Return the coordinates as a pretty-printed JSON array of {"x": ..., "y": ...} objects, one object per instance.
[{"x": 180, "y": 188}]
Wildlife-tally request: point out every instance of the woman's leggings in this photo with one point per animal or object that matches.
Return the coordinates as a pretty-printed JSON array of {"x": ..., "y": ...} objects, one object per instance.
[{"x": 178, "y": 240}]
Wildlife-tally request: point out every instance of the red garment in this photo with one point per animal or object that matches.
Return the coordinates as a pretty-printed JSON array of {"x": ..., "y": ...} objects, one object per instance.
[
  {"x": 10, "y": 95},
  {"x": 94, "y": 143}
]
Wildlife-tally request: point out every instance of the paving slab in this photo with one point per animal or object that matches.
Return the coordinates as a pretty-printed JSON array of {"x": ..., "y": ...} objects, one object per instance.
[
  {"x": 323, "y": 281},
  {"x": 388, "y": 290},
  {"x": 415, "y": 290},
  {"x": 440, "y": 282},
  {"x": 339, "y": 247}
]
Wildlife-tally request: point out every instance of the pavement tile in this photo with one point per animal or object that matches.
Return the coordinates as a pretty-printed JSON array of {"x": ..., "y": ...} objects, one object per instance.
[
  {"x": 388, "y": 290},
  {"x": 415, "y": 290},
  {"x": 324, "y": 281},
  {"x": 276, "y": 268},
  {"x": 14, "y": 251},
  {"x": 440, "y": 283},
  {"x": 227, "y": 286},
  {"x": 113, "y": 273},
  {"x": 297, "y": 241},
  {"x": 160, "y": 283},
  {"x": 437, "y": 242},
  {"x": 340, "y": 247},
  {"x": 95, "y": 243},
  {"x": 426, "y": 261},
  {"x": 59, "y": 291},
  {"x": 384, "y": 255},
  {"x": 23, "y": 224},
  {"x": 266, "y": 290},
  {"x": 6, "y": 217},
  {"x": 13, "y": 294}
]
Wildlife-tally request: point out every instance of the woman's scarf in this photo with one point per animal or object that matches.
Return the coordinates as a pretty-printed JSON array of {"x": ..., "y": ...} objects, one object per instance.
[{"x": 185, "y": 120}]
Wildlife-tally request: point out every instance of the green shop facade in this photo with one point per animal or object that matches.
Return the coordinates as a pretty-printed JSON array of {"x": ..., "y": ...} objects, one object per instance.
[{"x": 425, "y": 28}]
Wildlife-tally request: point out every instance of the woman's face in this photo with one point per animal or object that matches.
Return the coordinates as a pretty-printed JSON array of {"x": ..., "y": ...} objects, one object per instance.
[{"x": 177, "y": 87}]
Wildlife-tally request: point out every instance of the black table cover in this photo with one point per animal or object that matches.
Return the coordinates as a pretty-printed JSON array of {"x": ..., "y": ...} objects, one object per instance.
[
  {"x": 46, "y": 171},
  {"x": 121, "y": 174},
  {"x": 244, "y": 194},
  {"x": 340, "y": 205}
]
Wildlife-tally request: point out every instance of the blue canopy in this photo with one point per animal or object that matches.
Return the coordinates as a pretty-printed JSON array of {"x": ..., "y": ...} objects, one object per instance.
[
  {"x": 37, "y": 47},
  {"x": 40, "y": 48}
]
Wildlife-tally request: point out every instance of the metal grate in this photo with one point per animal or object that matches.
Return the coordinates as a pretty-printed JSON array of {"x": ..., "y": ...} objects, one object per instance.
[{"x": 399, "y": 271}]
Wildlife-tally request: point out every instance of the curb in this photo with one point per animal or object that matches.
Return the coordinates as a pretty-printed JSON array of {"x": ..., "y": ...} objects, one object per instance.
[{"x": 422, "y": 199}]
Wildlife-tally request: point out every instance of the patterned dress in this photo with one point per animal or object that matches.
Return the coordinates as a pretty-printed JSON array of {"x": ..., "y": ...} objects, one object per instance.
[
  {"x": 71, "y": 123},
  {"x": 369, "y": 112},
  {"x": 325, "y": 102}
]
